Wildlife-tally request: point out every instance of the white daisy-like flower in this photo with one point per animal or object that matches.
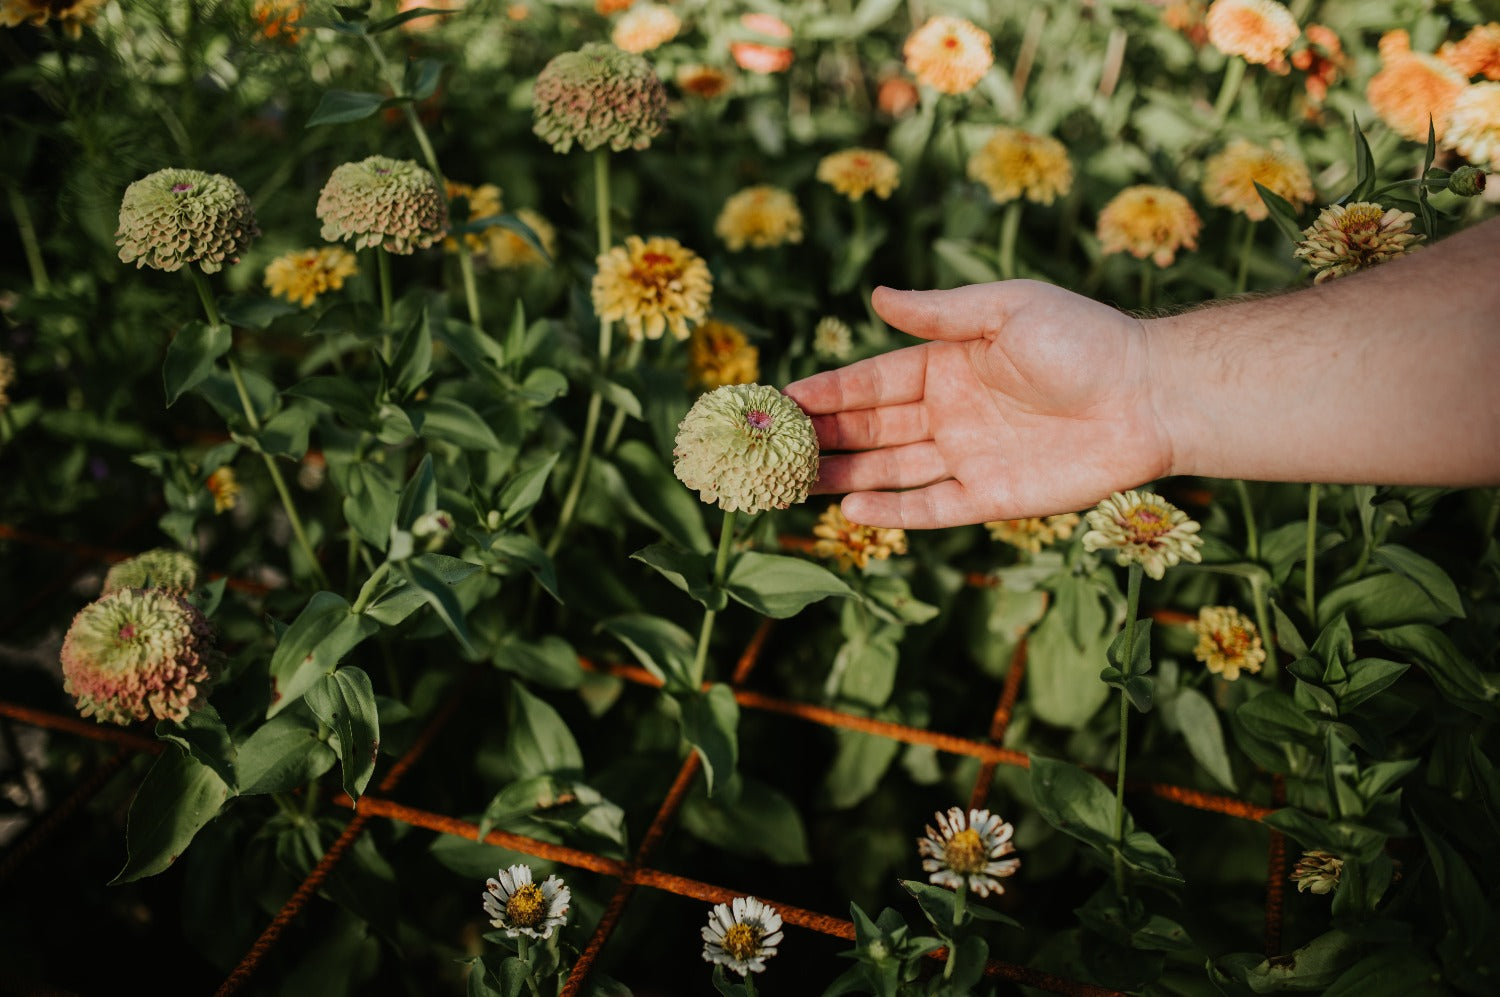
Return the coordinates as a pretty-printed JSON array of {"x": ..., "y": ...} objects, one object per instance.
[
  {"x": 518, "y": 906},
  {"x": 968, "y": 850},
  {"x": 742, "y": 935}
]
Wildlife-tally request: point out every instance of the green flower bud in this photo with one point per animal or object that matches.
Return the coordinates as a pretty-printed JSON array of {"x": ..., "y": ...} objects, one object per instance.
[
  {"x": 156, "y": 569},
  {"x": 747, "y": 447},
  {"x": 1467, "y": 181}
]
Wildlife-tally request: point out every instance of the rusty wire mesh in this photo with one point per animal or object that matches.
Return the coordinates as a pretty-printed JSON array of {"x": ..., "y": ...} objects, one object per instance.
[{"x": 636, "y": 871}]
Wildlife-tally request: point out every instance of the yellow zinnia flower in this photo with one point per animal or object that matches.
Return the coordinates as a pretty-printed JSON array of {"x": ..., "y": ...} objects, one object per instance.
[
  {"x": 949, "y": 54},
  {"x": 1227, "y": 642},
  {"x": 1229, "y": 178},
  {"x": 1412, "y": 88},
  {"x": 719, "y": 354},
  {"x": 652, "y": 285},
  {"x": 484, "y": 202},
  {"x": 73, "y": 15},
  {"x": 703, "y": 81},
  {"x": 1350, "y": 237},
  {"x": 1145, "y": 220},
  {"x": 302, "y": 276},
  {"x": 851, "y": 544},
  {"x": 761, "y": 216},
  {"x": 508, "y": 251},
  {"x": 1474, "y": 124},
  {"x": 1258, "y": 31},
  {"x": 1143, "y": 528},
  {"x": 1035, "y": 532},
  {"x": 856, "y": 172},
  {"x": 278, "y": 19},
  {"x": 1014, "y": 163},
  {"x": 225, "y": 488}
]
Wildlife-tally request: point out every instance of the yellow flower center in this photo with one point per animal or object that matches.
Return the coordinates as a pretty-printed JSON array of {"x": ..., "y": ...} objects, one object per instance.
[
  {"x": 1145, "y": 524},
  {"x": 742, "y": 940},
  {"x": 1232, "y": 643},
  {"x": 965, "y": 852},
  {"x": 1362, "y": 218},
  {"x": 525, "y": 907}
]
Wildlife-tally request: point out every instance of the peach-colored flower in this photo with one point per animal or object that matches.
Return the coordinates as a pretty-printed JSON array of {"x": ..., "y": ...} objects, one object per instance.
[
  {"x": 1477, "y": 53},
  {"x": 949, "y": 54},
  {"x": 1412, "y": 88},
  {"x": 1146, "y": 220},
  {"x": 1186, "y": 17},
  {"x": 1323, "y": 60},
  {"x": 646, "y": 27},
  {"x": 897, "y": 96},
  {"x": 608, "y": 7},
  {"x": 278, "y": 19},
  {"x": 856, "y": 172},
  {"x": 758, "y": 57},
  {"x": 852, "y": 544},
  {"x": 1474, "y": 124},
  {"x": 429, "y": 21},
  {"x": 1229, "y": 178},
  {"x": 1258, "y": 31},
  {"x": 703, "y": 81}
]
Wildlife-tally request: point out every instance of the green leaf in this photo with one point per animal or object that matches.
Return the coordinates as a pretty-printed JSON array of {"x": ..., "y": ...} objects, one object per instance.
[
  {"x": 1457, "y": 678},
  {"x": 538, "y": 741},
  {"x": 542, "y": 385},
  {"x": 340, "y": 106},
  {"x": 710, "y": 722},
  {"x": 438, "y": 594},
  {"x": 858, "y": 766},
  {"x": 1140, "y": 655},
  {"x": 968, "y": 265},
  {"x": 313, "y": 646},
  {"x": 421, "y": 78},
  {"x": 1076, "y": 803},
  {"x": 1364, "y": 179},
  {"x": 779, "y": 586},
  {"x": 864, "y": 670},
  {"x": 419, "y": 497},
  {"x": 661, "y": 499},
  {"x": 202, "y": 735},
  {"x": 525, "y": 489},
  {"x": 1384, "y": 600},
  {"x": 1367, "y": 677},
  {"x": 370, "y": 504},
  {"x": 411, "y": 14},
  {"x": 284, "y": 752},
  {"x": 1274, "y": 716},
  {"x": 760, "y": 820},
  {"x": 937, "y": 904},
  {"x": 451, "y": 421},
  {"x": 522, "y": 550},
  {"x": 1200, "y": 726},
  {"x": 345, "y": 701},
  {"x": 413, "y": 361},
  {"x": 254, "y": 311},
  {"x": 1432, "y": 579},
  {"x": 1281, "y": 213},
  {"x": 285, "y": 433},
  {"x": 177, "y": 798},
  {"x": 688, "y": 571},
  {"x": 549, "y": 660},
  {"x": 1062, "y": 682},
  {"x": 191, "y": 355},
  {"x": 663, "y": 648}
]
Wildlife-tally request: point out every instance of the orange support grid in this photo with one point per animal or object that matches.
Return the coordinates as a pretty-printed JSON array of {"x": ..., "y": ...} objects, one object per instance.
[
  {"x": 1275, "y": 875},
  {"x": 999, "y": 723}
]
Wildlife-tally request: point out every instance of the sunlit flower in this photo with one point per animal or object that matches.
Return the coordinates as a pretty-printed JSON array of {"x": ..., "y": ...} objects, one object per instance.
[
  {"x": 391, "y": 203},
  {"x": 138, "y": 653},
  {"x": 162, "y": 568},
  {"x": 302, "y": 276},
  {"x": 518, "y": 906},
  {"x": 7, "y": 378},
  {"x": 608, "y": 7},
  {"x": 1477, "y": 53},
  {"x": 968, "y": 851},
  {"x": 312, "y": 470},
  {"x": 1013, "y": 164},
  {"x": 1258, "y": 31},
  {"x": 832, "y": 338},
  {"x": 1322, "y": 59},
  {"x": 741, "y": 935},
  {"x": 1146, "y": 220},
  {"x": 225, "y": 488},
  {"x": 897, "y": 96},
  {"x": 703, "y": 81},
  {"x": 652, "y": 285},
  {"x": 758, "y": 57},
  {"x": 747, "y": 446},
  {"x": 1318, "y": 872},
  {"x": 857, "y": 172},
  {"x": 719, "y": 354},
  {"x": 1186, "y": 17},
  {"x": 1034, "y": 533},
  {"x": 1349, "y": 237},
  {"x": 484, "y": 201},
  {"x": 1143, "y": 528},
  {"x": 508, "y": 250},
  {"x": 1227, "y": 642},
  {"x": 1230, "y": 176},
  {"x": 278, "y": 18},
  {"x": 1412, "y": 88},
  {"x": 1474, "y": 124},
  {"x": 598, "y": 95},
  {"x": 949, "y": 54},
  {"x": 645, "y": 27},
  {"x": 72, "y": 15},
  {"x": 760, "y": 217},
  {"x": 431, "y": 21},
  {"x": 175, "y": 217},
  {"x": 852, "y": 544}
]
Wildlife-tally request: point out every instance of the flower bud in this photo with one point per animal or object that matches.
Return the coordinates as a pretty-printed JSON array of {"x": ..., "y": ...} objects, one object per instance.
[{"x": 1467, "y": 181}]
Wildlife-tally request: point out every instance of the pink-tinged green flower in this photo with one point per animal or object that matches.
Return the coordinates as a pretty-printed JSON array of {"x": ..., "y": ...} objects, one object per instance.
[
  {"x": 175, "y": 217},
  {"x": 161, "y": 568},
  {"x": 1141, "y": 527},
  {"x": 598, "y": 95},
  {"x": 747, "y": 447},
  {"x": 391, "y": 203},
  {"x": 1317, "y": 871},
  {"x": 518, "y": 906},
  {"x": 138, "y": 653},
  {"x": 741, "y": 935},
  {"x": 968, "y": 850}
]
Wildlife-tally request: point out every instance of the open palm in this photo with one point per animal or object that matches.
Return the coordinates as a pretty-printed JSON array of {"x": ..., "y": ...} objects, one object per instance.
[{"x": 1029, "y": 401}]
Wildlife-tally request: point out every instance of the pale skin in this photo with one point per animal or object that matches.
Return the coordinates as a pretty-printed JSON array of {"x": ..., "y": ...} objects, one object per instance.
[{"x": 1030, "y": 400}]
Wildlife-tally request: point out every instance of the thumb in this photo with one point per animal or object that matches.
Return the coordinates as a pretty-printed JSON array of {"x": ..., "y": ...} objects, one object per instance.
[{"x": 962, "y": 313}]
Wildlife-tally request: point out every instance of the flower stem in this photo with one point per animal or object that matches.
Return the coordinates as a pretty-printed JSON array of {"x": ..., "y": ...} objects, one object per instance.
[
  {"x": 1252, "y": 537},
  {"x": 1234, "y": 75},
  {"x": 749, "y": 985},
  {"x": 1246, "y": 248},
  {"x": 959, "y": 897},
  {"x": 1263, "y": 621},
  {"x": 1010, "y": 224},
  {"x": 367, "y": 591},
  {"x": 1146, "y": 276},
  {"x": 721, "y": 564},
  {"x": 1310, "y": 579},
  {"x": 523, "y": 949},
  {"x": 617, "y": 421},
  {"x": 33, "y": 249},
  {"x": 596, "y": 400},
  {"x": 1493, "y": 515},
  {"x": 1132, "y": 606},
  {"x": 387, "y": 312}
]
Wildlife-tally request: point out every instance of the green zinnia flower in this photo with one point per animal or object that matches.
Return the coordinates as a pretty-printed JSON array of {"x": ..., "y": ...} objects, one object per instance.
[
  {"x": 173, "y": 217},
  {"x": 747, "y": 446},
  {"x": 598, "y": 95},
  {"x": 391, "y": 203},
  {"x": 161, "y": 568}
]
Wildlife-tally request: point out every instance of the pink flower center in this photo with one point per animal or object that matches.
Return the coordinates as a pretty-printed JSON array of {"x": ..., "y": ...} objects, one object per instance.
[
  {"x": 756, "y": 419},
  {"x": 179, "y": 188},
  {"x": 127, "y": 632}
]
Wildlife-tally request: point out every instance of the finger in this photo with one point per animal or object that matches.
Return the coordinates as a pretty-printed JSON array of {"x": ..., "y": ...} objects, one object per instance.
[
  {"x": 943, "y": 504},
  {"x": 868, "y": 428},
  {"x": 962, "y": 313},
  {"x": 911, "y": 466},
  {"x": 890, "y": 379}
]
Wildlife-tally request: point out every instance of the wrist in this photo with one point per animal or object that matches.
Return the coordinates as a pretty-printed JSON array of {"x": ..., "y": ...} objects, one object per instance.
[{"x": 1170, "y": 380}]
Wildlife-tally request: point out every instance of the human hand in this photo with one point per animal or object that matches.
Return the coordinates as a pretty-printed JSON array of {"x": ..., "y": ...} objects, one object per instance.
[{"x": 1029, "y": 401}]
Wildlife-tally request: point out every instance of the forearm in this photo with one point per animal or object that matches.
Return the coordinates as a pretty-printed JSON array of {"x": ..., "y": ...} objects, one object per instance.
[{"x": 1388, "y": 376}]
